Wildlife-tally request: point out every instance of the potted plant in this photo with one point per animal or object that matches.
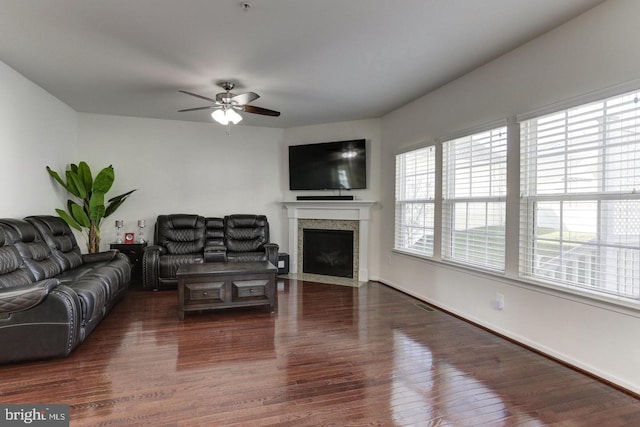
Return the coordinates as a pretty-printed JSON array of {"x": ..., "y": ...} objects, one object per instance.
[{"x": 86, "y": 214}]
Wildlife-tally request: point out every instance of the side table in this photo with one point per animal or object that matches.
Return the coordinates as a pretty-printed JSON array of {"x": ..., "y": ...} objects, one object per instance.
[{"x": 134, "y": 251}]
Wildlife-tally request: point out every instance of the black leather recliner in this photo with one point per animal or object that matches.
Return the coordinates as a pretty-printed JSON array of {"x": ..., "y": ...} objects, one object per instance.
[
  {"x": 187, "y": 239},
  {"x": 178, "y": 239},
  {"x": 246, "y": 238},
  {"x": 51, "y": 296}
]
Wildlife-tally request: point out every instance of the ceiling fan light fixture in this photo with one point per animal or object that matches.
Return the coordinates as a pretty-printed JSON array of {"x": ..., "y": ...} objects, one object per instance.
[
  {"x": 233, "y": 116},
  {"x": 226, "y": 116},
  {"x": 220, "y": 117}
]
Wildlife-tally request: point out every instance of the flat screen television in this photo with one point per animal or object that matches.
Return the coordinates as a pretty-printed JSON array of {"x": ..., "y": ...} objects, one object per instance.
[{"x": 340, "y": 165}]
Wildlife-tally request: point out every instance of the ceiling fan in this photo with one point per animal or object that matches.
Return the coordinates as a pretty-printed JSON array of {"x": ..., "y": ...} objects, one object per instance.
[{"x": 226, "y": 105}]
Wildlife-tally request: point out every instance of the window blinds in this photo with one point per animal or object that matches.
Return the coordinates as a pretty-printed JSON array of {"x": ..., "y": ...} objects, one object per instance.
[
  {"x": 474, "y": 192},
  {"x": 580, "y": 208},
  {"x": 415, "y": 196}
]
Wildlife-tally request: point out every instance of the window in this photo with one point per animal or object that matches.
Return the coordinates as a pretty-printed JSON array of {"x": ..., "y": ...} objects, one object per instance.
[
  {"x": 474, "y": 199},
  {"x": 415, "y": 196},
  {"x": 580, "y": 204}
]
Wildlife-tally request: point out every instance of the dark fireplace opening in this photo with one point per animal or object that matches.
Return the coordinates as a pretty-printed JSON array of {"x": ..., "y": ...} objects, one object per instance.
[{"x": 327, "y": 252}]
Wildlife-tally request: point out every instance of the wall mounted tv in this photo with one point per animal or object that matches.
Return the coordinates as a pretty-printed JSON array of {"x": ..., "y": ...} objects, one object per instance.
[{"x": 340, "y": 165}]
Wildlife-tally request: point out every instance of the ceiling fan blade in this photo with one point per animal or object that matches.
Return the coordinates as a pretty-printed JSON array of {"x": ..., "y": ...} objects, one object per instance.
[
  {"x": 258, "y": 110},
  {"x": 197, "y": 96},
  {"x": 197, "y": 108},
  {"x": 245, "y": 98}
]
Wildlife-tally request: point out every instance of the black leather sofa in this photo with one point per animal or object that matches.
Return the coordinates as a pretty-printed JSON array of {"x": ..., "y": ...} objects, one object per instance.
[
  {"x": 188, "y": 239},
  {"x": 52, "y": 296}
]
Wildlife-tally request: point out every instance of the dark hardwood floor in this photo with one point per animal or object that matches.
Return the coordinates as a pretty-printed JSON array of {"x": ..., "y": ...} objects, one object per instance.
[{"x": 330, "y": 356}]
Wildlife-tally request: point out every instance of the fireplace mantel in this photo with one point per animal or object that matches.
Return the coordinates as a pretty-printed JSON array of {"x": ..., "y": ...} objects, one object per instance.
[{"x": 355, "y": 210}]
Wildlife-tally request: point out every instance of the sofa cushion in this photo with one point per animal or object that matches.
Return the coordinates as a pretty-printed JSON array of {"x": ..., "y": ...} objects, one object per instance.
[
  {"x": 33, "y": 250},
  {"x": 245, "y": 233},
  {"x": 9, "y": 259},
  {"x": 60, "y": 239},
  {"x": 114, "y": 275},
  {"x": 13, "y": 270},
  {"x": 181, "y": 234},
  {"x": 214, "y": 231}
]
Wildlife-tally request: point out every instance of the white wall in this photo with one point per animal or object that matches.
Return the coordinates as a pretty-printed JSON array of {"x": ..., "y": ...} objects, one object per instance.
[
  {"x": 36, "y": 130},
  {"x": 594, "y": 51},
  {"x": 185, "y": 167},
  {"x": 342, "y": 131}
]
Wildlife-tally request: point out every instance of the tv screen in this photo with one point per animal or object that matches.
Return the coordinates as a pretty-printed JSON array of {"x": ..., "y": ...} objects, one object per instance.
[{"x": 328, "y": 166}]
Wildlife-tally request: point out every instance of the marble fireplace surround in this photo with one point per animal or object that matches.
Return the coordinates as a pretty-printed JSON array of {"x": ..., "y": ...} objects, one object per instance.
[{"x": 330, "y": 215}]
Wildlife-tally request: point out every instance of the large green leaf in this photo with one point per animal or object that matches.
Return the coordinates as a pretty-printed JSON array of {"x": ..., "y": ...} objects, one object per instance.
[
  {"x": 96, "y": 206},
  {"x": 68, "y": 219},
  {"x": 84, "y": 173},
  {"x": 79, "y": 215},
  {"x": 75, "y": 185},
  {"x": 121, "y": 196},
  {"x": 104, "y": 180},
  {"x": 59, "y": 180},
  {"x": 70, "y": 203},
  {"x": 115, "y": 202}
]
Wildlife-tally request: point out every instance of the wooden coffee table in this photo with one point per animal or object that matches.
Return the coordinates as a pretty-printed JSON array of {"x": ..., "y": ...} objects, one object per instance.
[{"x": 215, "y": 285}]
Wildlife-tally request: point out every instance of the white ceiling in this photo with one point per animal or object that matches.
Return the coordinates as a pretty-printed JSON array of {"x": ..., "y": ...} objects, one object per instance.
[{"x": 316, "y": 61}]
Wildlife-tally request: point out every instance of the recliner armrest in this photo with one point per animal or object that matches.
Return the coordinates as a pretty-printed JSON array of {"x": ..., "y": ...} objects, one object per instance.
[
  {"x": 272, "y": 252},
  {"x": 24, "y": 297},
  {"x": 156, "y": 248},
  {"x": 151, "y": 265},
  {"x": 215, "y": 253},
  {"x": 100, "y": 256}
]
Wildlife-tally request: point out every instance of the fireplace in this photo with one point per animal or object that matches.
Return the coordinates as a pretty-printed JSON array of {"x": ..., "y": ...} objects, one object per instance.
[
  {"x": 350, "y": 215},
  {"x": 330, "y": 236},
  {"x": 328, "y": 252}
]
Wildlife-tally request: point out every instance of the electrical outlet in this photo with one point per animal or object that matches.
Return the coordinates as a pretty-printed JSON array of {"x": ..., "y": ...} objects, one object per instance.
[
  {"x": 389, "y": 259},
  {"x": 499, "y": 301}
]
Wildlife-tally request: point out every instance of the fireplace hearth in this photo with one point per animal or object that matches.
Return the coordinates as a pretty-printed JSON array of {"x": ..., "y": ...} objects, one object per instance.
[{"x": 328, "y": 252}]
